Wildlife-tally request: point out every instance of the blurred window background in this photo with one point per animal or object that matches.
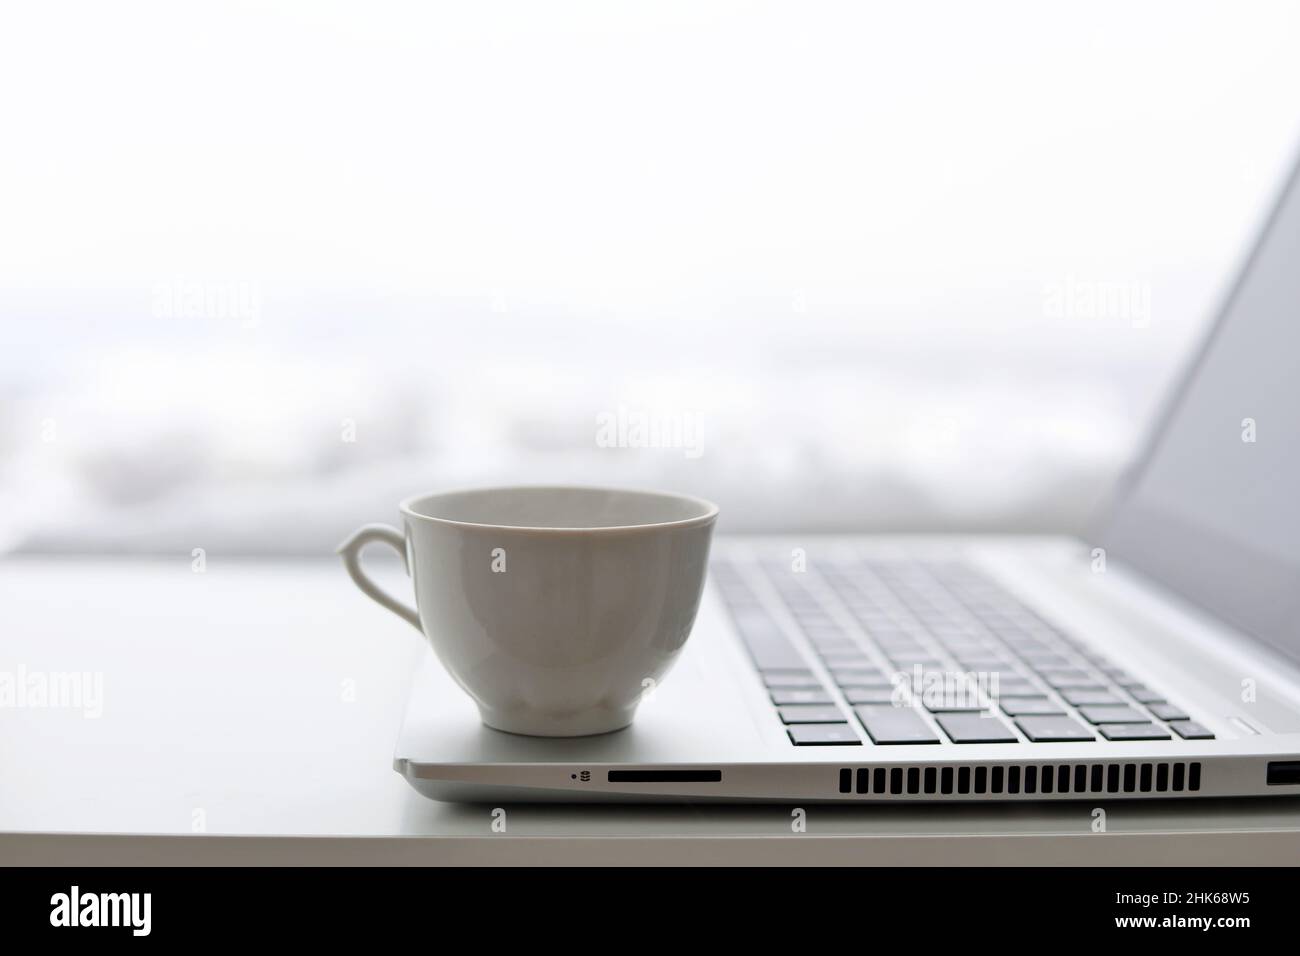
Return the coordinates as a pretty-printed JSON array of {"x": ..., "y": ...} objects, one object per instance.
[{"x": 267, "y": 268}]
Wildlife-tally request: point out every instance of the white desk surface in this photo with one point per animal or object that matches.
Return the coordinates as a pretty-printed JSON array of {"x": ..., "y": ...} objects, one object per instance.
[{"x": 225, "y": 708}]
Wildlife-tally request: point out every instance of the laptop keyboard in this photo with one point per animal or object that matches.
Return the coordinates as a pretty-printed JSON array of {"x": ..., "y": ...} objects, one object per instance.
[{"x": 929, "y": 652}]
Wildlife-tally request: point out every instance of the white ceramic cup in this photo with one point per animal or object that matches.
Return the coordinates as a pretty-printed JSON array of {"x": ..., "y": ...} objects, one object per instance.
[{"x": 555, "y": 608}]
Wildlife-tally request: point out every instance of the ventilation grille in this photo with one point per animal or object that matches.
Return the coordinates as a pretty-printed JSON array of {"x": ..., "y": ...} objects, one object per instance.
[{"x": 1023, "y": 779}]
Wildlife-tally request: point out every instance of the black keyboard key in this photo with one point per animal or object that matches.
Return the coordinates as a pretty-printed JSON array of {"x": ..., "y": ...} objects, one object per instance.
[
  {"x": 1041, "y": 661},
  {"x": 1018, "y": 706},
  {"x": 1053, "y": 729},
  {"x": 1014, "y": 687},
  {"x": 1191, "y": 730},
  {"x": 811, "y": 714},
  {"x": 941, "y": 706},
  {"x": 844, "y": 664},
  {"x": 843, "y": 657},
  {"x": 1076, "y": 680},
  {"x": 1112, "y": 715},
  {"x": 774, "y": 679},
  {"x": 895, "y": 725},
  {"x": 860, "y": 677},
  {"x": 839, "y": 645},
  {"x": 976, "y": 729},
  {"x": 800, "y": 695},
  {"x": 815, "y": 622},
  {"x": 1094, "y": 697},
  {"x": 1169, "y": 712},
  {"x": 1137, "y": 731},
  {"x": 1005, "y": 674},
  {"x": 846, "y": 659},
  {"x": 768, "y": 645},
  {"x": 980, "y": 660},
  {"x": 823, "y": 735},
  {"x": 874, "y": 695},
  {"x": 817, "y": 625},
  {"x": 1146, "y": 695},
  {"x": 907, "y": 661},
  {"x": 826, "y": 634},
  {"x": 894, "y": 640},
  {"x": 961, "y": 700}
]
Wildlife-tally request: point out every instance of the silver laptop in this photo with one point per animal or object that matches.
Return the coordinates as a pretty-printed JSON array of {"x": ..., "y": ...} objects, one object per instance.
[{"x": 1159, "y": 660}]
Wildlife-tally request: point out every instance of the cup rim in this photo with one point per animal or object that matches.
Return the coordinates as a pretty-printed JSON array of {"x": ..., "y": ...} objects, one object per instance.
[{"x": 709, "y": 509}]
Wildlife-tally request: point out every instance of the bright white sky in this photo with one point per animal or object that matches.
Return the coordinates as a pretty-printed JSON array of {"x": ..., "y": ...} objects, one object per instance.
[{"x": 820, "y": 225}]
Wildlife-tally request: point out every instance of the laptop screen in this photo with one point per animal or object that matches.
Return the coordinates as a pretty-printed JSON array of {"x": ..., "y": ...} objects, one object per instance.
[{"x": 1212, "y": 509}]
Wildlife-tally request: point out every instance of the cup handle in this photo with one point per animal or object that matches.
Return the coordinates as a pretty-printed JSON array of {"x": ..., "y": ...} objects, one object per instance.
[{"x": 351, "y": 551}]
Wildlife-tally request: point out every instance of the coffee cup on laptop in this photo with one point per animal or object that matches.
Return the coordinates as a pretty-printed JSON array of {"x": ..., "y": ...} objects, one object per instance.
[{"x": 553, "y": 607}]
